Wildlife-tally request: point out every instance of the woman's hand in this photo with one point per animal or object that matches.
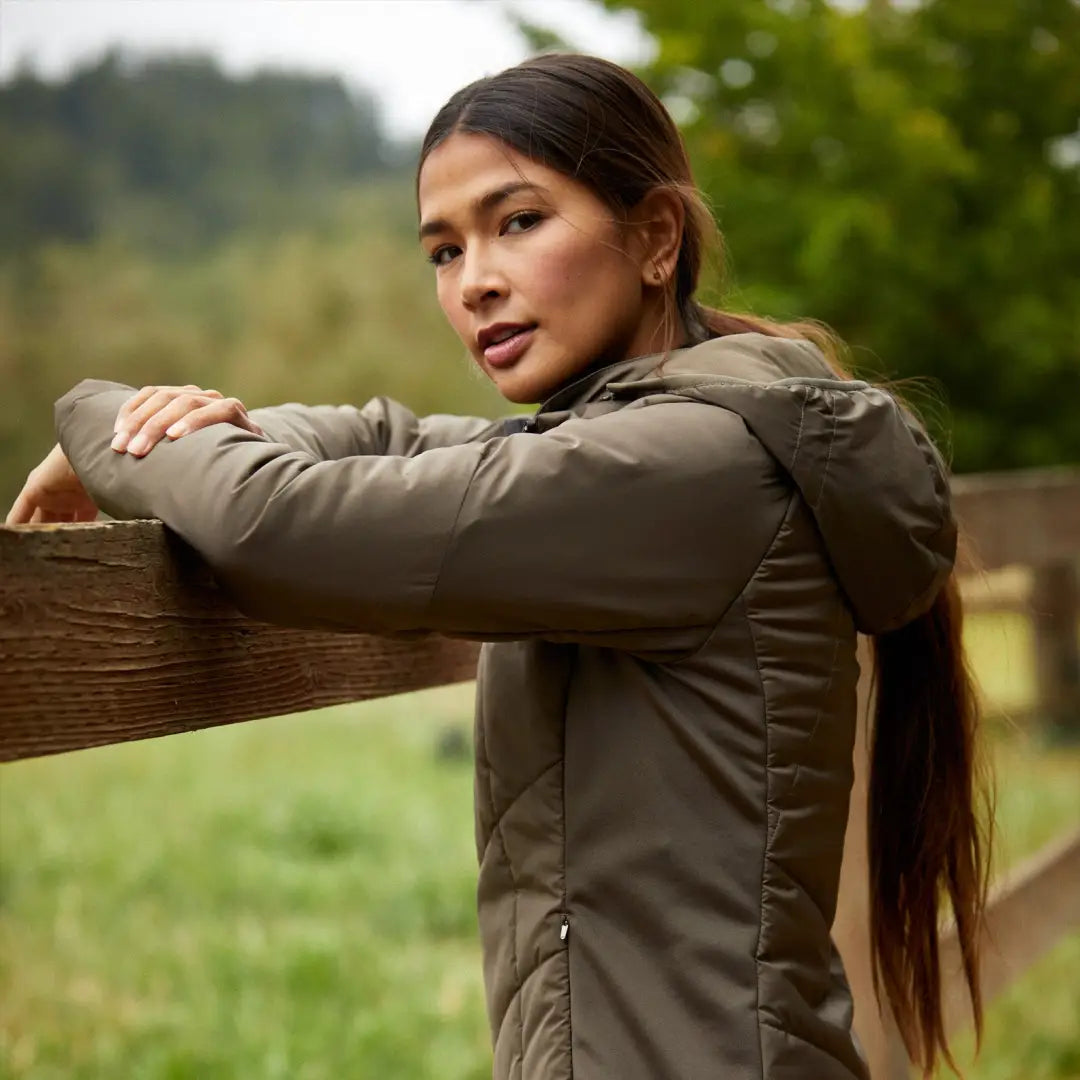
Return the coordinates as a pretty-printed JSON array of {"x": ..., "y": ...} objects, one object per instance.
[
  {"x": 157, "y": 412},
  {"x": 52, "y": 493}
]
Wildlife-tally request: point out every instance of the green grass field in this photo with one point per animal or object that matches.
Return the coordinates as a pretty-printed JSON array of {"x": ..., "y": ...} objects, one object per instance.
[{"x": 293, "y": 899}]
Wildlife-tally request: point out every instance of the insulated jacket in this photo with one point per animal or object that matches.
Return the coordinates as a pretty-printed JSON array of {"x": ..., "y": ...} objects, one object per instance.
[{"x": 668, "y": 564}]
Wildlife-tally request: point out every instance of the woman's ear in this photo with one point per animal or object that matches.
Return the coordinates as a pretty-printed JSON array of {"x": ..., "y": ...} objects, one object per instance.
[{"x": 658, "y": 222}]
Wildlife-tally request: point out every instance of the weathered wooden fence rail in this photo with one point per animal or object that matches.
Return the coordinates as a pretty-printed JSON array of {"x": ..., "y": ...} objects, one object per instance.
[
  {"x": 111, "y": 632},
  {"x": 117, "y": 631}
]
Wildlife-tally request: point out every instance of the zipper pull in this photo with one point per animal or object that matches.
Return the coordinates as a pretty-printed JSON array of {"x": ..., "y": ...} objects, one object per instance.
[{"x": 565, "y": 928}]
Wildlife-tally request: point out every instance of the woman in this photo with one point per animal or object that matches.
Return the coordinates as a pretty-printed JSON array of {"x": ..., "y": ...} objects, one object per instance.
[{"x": 668, "y": 562}]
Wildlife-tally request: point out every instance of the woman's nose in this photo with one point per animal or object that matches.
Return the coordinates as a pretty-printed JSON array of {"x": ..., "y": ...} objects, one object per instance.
[{"x": 480, "y": 281}]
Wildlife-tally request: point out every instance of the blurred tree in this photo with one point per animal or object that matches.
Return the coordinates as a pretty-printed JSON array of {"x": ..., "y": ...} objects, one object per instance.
[
  {"x": 171, "y": 153},
  {"x": 911, "y": 176}
]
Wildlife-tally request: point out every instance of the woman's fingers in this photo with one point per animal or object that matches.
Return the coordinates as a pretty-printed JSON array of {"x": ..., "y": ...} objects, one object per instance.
[
  {"x": 40, "y": 487},
  {"x": 177, "y": 415},
  {"x": 135, "y": 403},
  {"x": 140, "y": 397},
  {"x": 147, "y": 424},
  {"x": 154, "y": 428},
  {"x": 22, "y": 510},
  {"x": 44, "y": 507},
  {"x": 86, "y": 512},
  {"x": 52, "y": 493},
  {"x": 225, "y": 411},
  {"x": 147, "y": 403},
  {"x": 159, "y": 411}
]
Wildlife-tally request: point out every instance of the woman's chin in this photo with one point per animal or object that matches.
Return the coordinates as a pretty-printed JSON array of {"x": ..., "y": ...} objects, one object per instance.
[
  {"x": 521, "y": 385},
  {"x": 531, "y": 380}
]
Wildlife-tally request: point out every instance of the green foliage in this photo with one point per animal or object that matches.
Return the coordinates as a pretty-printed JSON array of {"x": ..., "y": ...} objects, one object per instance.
[
  {"x": 908, "y": 176},
  {"x": 271, "y": 902},
  {"x": 170, "y": 153},
  {"x": 540, "y": 39}
]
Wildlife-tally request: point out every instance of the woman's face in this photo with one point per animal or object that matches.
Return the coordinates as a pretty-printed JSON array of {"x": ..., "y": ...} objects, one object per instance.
[{"x": 522, "y": 250}]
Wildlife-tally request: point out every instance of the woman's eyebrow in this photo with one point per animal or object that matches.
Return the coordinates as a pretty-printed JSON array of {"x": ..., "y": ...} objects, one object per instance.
[{"x": 482, "y": 205}]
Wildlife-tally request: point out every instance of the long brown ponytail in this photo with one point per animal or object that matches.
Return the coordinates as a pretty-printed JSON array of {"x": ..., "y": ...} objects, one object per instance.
[
  {"x": 599, "y": 124},
  {"x": 927, "y": 842}
]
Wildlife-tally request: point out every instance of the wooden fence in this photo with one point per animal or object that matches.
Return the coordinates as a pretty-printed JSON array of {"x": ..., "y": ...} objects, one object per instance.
[{"x": 111, "y": 632}]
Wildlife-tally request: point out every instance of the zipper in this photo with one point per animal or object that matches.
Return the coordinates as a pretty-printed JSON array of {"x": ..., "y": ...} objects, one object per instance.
[{"x": 565, "y": 929}]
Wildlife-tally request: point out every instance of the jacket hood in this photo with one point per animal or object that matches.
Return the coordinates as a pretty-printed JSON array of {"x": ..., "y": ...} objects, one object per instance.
[{"x": 873, "y": 480}]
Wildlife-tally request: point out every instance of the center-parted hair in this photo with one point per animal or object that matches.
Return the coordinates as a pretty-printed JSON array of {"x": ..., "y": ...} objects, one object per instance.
[{"x": 594, "y": 121}]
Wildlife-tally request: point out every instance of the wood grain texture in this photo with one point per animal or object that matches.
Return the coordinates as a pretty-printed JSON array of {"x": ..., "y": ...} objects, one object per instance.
[
  {"x": 1029, "y": 912},
  {"x": 1029, "y": 517},
  {"x": 111, "y": 632}
]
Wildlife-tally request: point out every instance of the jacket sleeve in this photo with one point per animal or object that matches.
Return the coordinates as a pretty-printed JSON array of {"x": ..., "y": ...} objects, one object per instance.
[
  {"x": 382, "y": 426},
  {"x": 633, "y": 530}
]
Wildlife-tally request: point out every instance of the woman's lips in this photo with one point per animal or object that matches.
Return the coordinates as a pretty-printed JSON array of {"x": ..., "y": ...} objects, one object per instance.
[{"x": 507, "y": 352}]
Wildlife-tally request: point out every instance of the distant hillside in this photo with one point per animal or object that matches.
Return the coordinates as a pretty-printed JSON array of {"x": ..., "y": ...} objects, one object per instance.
[{"x": 171, "y": 153}]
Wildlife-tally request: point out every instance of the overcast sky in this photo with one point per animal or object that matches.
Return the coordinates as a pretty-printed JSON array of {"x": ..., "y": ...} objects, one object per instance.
[{"x": 412, "y": 53}]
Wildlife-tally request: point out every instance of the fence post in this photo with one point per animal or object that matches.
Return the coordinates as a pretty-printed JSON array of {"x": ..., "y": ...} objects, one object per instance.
[{"x": 1055, "y": 608}]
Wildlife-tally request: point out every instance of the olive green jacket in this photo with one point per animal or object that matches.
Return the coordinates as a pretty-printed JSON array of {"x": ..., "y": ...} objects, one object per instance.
[{"x": 668, "y": 564}]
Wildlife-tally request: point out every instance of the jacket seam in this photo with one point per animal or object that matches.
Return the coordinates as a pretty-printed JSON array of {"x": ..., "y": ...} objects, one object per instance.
[
  {"x": 791, "y": 382},
  {"x": 496, "y": 825},
  {"x": 714, "y": 629},
  {"x": 771, "y": 822},
  {"x": 565, "y": 903},
  {"x": 837, "y": 607},
  {"x": 767, "y": 1022},
  {"x": 515, "y": 1002},
  {"x": 769, "y": 833},
  {"x": 799, "y": 433},
  {"x": 484, "y": 783},
  {"x": 496, "y": 822},
  {"x": 828, "y": 455},
  {"x": 452, "y": 537}
]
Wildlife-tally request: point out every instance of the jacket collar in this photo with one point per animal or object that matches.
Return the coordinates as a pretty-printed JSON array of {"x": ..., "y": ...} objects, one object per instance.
[{"x": 591, "y": 385}]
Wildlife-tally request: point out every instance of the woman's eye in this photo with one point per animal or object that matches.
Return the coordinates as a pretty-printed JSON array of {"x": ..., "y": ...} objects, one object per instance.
[
  {"x": 442, "y": 256},
  {"x": 522, "y": 221}
]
